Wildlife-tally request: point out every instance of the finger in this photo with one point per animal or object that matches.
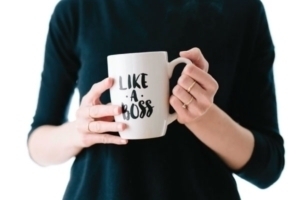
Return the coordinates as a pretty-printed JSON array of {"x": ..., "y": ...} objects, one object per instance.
[
  {"x": 99, "y": 111},
  {"x": 94, "y": 138},
  {"x": 186, "y": 99},
  {"x": 196, "y": 56},
  {"x": 187, "y": 82},
  {"x": 99, "y": 126},
  {"x": 102, "y": 126},
  {"x": 110, "y": 139},
  {"x": 182, "y": 113},
  {"x": 107, "y": 118},
  {"x": 96, "y": 90},
  {"x": 206, "y": 81}
]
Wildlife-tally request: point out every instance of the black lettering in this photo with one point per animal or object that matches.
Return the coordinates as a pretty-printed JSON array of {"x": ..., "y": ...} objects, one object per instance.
[
  {"x": 135, "y": 83},
  {"x": 134, "y": 96},
  {"x": 132, "y": 113},
  {"x": 144, "y": 82},
  {"x": 121, "y": 84},
  {"x": 150, "y": 108},
  {"x": 125, "y": 112},
  {"x": 143, "y": 108},
  {"x": 129, "y": 81}
]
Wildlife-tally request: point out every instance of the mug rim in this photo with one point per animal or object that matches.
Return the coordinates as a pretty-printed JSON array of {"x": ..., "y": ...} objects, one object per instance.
[{"x": 137, "y": 53}]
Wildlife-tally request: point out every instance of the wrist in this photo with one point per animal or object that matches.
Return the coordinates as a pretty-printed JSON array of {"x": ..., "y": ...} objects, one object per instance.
[{"x": 72, "y": 136}]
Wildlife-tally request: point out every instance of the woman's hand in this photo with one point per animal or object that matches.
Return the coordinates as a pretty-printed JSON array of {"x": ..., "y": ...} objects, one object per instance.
[
  {"x": 194, "y": 93},
  {"x": 94, "y": 120}
]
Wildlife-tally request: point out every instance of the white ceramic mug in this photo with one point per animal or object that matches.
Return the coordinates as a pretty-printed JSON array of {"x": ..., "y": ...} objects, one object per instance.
[{"x": 141, "y": 87}]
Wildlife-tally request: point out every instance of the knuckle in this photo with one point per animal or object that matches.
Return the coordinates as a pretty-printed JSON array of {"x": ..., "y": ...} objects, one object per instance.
[
  {"x": 213, "y": 88},
  {"x": 182, "y": 80},
  {"x": 189, "y": 69},
  {"x": 172, "y": 100},
  {"x": 105, "y": 138},
  {"x": 176, "y": 89},
  {"x": 212, "y": 85},
  {"x": 206, "y": 65},
  {"x": 216, "y": 86},
  {"x": 196, "y": 50},
  {"x": 198, "y": 53},
  {"x": 85, "y": 140},
  {"x": 198, "y": 111},
  {"x": 212, "y": 99},
  {"x": 94, "y": 127},
  {"x": 206, "y": 103}
]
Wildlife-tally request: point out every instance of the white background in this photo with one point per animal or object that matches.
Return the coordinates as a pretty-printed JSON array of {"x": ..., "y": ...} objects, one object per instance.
[{"x": 23, "y": 28}]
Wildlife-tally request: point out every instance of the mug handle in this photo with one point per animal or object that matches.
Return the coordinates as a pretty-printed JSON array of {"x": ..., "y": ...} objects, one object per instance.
[{"x": 170, "y": 68}]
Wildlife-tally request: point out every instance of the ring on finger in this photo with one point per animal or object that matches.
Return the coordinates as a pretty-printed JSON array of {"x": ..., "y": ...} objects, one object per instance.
[
  {"x": 188, "y": 103},
  {"x": 191, "y": 87}
]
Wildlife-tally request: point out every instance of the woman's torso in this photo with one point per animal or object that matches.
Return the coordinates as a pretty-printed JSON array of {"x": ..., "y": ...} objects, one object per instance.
[{"x": 178, "y": 165}]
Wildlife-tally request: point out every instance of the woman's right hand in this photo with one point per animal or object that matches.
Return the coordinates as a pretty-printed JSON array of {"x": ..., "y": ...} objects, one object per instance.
[{"x": 94, "y": 120}]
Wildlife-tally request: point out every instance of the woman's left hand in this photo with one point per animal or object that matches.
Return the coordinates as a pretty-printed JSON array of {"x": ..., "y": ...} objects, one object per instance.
[{"x": 194, "y": 93}]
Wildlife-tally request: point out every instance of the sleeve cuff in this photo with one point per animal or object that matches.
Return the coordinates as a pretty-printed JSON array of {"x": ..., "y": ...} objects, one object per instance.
[{"x": 253, "y": 170}]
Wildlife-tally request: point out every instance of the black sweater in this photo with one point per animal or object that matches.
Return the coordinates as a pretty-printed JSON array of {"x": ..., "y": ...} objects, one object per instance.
[{"x": 235, "y": 39}]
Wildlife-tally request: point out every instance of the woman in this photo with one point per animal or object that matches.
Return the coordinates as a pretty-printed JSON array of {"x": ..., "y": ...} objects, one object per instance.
[{"x": 229, "y": 127}]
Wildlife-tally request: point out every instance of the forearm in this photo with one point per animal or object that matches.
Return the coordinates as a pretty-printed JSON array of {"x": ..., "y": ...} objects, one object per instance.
[
  {"x": 232, "y": 142},
  {"x": 50, "y": 145}
]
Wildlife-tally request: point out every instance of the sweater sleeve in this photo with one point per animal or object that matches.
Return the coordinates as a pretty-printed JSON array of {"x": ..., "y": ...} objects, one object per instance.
[
  {"x": 59, "y": 74},
  {"x": 254, "y": 107}
]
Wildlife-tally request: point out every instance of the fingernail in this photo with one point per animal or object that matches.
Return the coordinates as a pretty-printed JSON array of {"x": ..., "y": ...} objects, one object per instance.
[
  {"x": 121, "y": 127},
  {"x": 110, "y": 81}
]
